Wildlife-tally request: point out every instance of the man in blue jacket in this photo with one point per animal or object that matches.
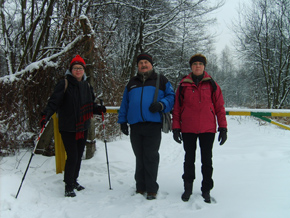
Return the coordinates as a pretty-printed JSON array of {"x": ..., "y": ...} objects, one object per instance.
[{"x": 144, "y": 116}]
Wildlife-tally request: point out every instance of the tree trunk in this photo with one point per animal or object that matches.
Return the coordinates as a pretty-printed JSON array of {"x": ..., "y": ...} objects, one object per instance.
[
  {"x": 91, "y": 144},
  {"x": 89, "y": 58}
]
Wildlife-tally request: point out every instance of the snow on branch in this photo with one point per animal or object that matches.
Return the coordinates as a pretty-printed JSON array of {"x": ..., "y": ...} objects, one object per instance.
[
  {"x": 87, "y": 26},
  {"x": 43, "y": 63},
  {"x": 119, "y": 3}
]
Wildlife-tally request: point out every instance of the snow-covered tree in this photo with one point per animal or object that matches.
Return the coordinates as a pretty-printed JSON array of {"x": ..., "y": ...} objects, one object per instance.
[{"x": 263, "y": 35}]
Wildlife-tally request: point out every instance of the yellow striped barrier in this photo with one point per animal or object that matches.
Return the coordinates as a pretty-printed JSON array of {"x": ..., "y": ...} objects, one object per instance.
[
  {"x": 259, "y": 113},
  {"x": 262, "y": 114},
  {"x": 60, "y": 154},
  {"x": 113, "y": 110}
]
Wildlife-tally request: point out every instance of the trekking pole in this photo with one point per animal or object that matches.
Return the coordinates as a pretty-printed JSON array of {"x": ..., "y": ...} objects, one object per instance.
[
  {"x": 32, "y": 154},
  {"x": 108, "y": 168}
]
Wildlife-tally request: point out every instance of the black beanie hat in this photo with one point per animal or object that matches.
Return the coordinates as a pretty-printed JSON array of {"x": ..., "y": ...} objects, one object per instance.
[
  {"x": 145, "y": 56},
  {"x": 199, "y": 58}
]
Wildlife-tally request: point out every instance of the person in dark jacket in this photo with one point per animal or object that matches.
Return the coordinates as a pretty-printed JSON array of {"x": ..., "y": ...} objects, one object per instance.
[
  {"x": 144, "y": 116},
  {"x": 199, "y": 105},
  {"x": 73, "y": 100}
]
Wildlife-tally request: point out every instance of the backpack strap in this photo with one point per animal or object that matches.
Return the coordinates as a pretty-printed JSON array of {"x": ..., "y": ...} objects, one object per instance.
[
  {"x": 65, "y": 84},
  {"x": 157, "y": 87},
  {"x": 181, "y": 95},
  {"x": 213, "y": 84}
]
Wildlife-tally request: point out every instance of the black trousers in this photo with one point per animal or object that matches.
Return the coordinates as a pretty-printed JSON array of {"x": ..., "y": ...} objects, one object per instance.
[
  {"x": 145, "y": 140},
  {"x": 74, "y": 151},
  {"x": 206, "y": 143}
]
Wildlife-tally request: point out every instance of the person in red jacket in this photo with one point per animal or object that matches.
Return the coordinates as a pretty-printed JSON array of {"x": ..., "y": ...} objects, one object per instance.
[{"x": 199, "y": 106}]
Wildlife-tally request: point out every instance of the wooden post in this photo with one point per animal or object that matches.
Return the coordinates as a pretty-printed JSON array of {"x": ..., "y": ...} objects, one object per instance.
[
  {"x": 89, "y": 45},
  {"x": 45, "y": 139}
]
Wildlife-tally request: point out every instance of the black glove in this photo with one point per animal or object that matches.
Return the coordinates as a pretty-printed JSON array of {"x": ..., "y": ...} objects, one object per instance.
[
  {"x": 177, "y": 135},
  {"x": 98, "y": 109},
  {"x": 223, "y": 135},
  {"x": 124, "y": 128},
  {"x": 155, "y": 107},
  {"x": 43, "y": 121}
]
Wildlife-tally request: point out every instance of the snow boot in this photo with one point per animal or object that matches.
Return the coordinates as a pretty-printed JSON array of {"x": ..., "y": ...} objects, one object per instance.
[
  {"x": 187, "y": 191},
  {"x": 77, "y": 186},
  {"x": 151, "y": 196},
  {"x": 69, "y": 191},
  {"x": 206, "y": 197}
]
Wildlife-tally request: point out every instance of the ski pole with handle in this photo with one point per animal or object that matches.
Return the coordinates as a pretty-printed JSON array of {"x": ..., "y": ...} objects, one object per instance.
[
  {"x": 104, "y": 132},
  {"x": 32, "y": 154}
]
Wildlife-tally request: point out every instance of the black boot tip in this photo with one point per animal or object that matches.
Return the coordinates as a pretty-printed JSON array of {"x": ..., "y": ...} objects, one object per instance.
[
  {"x": 185, "y": 196},
  {"x": 206, "y": 197},
  {"x": 72, "y": 195},
  {"x": 151, "y": 196},
  {"x": 185, "y": 199}
]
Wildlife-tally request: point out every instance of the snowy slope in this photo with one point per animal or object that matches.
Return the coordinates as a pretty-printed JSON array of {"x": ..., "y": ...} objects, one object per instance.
[{"x": 251, "y": 174}]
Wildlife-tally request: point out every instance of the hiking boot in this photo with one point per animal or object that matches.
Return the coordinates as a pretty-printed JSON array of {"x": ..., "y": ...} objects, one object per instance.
[
  {"x": 151, "y": 196},
  {"x": 77, "y": 186},
  {"x": 206, "y": 197},
  {"x": 187, "y": 191},
  {"x": 69, "y": 191}
]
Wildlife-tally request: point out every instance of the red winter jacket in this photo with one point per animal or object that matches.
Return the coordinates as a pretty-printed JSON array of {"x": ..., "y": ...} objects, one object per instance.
[{"x": 201, "y": 107}]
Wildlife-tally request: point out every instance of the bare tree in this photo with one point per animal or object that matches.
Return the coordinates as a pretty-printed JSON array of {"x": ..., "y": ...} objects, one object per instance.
[
  {"x": 190, "y": 34},
  {"x": 263, "y": 41},
  {"x": 169, "y": 30}
]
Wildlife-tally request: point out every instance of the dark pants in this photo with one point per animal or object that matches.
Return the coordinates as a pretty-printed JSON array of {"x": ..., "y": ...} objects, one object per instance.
[
  {"x": 206, "y": 143},
  {"x": 74, "y": 151},
  {"x": 145, "y": 140}
]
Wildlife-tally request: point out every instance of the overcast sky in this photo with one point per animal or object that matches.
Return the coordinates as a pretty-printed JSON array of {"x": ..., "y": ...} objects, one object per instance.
[{"x": 224, "y": 16}]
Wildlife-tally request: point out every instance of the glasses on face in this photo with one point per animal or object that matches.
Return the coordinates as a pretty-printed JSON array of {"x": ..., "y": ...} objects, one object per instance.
[
  {"x": 197, "y": 63},
  {"x": 78, "y": 69}
]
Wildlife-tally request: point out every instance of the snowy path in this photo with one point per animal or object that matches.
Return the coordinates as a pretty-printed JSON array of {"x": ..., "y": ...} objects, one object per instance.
[{"x": 251, "y": 174}]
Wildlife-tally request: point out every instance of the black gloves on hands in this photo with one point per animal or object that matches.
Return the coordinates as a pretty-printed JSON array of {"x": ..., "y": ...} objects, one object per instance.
[
  {"x": 156, "y": 107},
  {"x": 124, "y": 128},
  {"x": 43, "y": 121},
  {"x": 222, "y": 136},
  {"x": 98, "y": 109},
  {"x": 177, "y": 135}
]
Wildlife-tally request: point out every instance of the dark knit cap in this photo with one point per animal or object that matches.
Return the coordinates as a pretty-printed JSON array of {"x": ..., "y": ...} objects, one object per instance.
[
  {"x": 145, "y": 56},
  {"x": 77, "y": 60},
  {"x": 197, "y": 58}
]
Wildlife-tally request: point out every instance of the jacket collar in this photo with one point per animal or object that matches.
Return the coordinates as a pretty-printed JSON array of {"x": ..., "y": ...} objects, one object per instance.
[
  {"x": 147, "y": 75},
  {"x": 188, "y": 78}
]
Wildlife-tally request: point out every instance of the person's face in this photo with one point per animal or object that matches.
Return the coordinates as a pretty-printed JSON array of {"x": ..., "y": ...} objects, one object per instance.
[
  {"x": 144, "y": 66},
  {"x": 78, "y": 71},
  {"x": 197, "y": 68}
]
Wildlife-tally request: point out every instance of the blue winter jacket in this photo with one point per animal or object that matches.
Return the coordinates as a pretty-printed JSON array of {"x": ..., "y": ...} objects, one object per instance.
[{"x": 139, "y": 95}]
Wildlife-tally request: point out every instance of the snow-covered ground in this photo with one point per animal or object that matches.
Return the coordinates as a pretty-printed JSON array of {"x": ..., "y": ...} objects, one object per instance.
[{"x": 251, "y": 174}]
